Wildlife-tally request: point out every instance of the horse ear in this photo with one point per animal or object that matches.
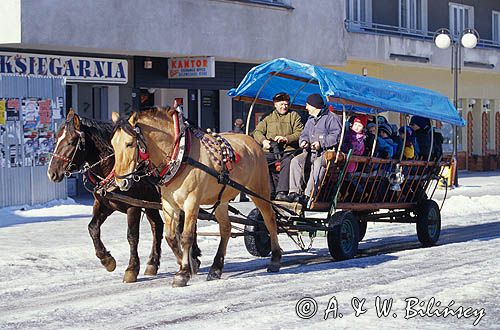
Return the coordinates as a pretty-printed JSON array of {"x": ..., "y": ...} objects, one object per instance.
[
  {"x": 133, "y": 118},
  {"x": 76, "y": 121},
  {"x": 70, "y": 114},
  {"x": 115, "y": 117}
]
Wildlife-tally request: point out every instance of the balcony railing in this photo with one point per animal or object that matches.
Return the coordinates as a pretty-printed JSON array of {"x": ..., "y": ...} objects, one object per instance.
[{"x": 382, "y": 29}]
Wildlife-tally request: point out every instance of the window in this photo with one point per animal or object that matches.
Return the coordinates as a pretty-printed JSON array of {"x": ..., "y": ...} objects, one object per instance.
[
  {"x": 461, "y": 18},
  {"x": 495, "y": 23},
  {"x": 413, "y": 15},
  {"x": 359, "y": 11}
]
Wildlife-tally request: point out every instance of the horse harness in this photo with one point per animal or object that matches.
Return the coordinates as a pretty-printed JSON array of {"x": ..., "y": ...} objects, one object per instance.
[{"x": 86, "y": 168}]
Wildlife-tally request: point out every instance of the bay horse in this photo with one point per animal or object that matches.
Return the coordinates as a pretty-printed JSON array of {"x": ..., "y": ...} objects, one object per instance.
[
  {"x": 154, "y": 134},
  {"x": 81, "y": 140}
]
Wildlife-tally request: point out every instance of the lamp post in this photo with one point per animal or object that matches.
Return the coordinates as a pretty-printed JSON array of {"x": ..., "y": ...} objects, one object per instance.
[{"x": 443, "y": 39}]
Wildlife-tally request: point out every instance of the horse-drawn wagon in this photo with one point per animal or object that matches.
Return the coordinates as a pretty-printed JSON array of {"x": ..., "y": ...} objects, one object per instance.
[
  {"x": 378, "y": 190},
  {"x": 194, "y": 168}
]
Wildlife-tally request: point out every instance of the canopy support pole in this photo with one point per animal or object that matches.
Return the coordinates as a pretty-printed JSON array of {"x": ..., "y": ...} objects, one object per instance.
[
  {"x": 255, "y": 100},
  {"x": 300, "y": 90}
]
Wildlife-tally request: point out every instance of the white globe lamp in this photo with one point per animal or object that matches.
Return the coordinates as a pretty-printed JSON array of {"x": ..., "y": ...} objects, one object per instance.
[
  {"x": 443, "y": 41},
  {"x": 469, "y": 40}
]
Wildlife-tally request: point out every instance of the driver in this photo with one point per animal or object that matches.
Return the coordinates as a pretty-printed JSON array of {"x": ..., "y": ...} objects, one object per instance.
[{"x": 278, "y": 133}]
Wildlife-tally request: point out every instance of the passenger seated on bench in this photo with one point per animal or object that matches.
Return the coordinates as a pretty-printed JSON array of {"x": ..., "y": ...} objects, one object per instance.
[
  {"x": 321, "y": 132},
  {"x": 422, "y": 128},
  {"x": 409, "y": 146},
  {"x": 386, "y": 147},
  {"x": 278, "y": 133},
  {"x": 355, "y": 140}
]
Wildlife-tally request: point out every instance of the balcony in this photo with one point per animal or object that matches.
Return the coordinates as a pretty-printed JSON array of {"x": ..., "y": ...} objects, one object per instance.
[{"x": 390, "y": 30}]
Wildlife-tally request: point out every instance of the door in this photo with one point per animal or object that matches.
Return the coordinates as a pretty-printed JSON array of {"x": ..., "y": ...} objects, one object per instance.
[{"x": 210, "y": 110}]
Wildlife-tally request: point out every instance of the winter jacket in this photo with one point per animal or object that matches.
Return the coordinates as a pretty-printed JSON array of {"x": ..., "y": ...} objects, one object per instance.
[
  {"x": 325, "y": 129},
  {"x": 288, "y": 125},
  {"x": 356, "y": 142},
  {"x": 386, "y": 148}
]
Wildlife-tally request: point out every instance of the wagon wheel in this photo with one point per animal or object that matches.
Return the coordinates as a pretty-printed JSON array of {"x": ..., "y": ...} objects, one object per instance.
[
  {"x": 343, "y": 237},
  {"x": 362, "y": 229},
  {"x": 428, "y": 222},
  {"x": 257, "y": 239}
]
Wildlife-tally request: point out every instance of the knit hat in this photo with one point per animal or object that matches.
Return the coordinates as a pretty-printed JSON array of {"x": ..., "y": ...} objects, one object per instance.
[
  {"x": 385, "y": 128},
  {"x": 362, "y": 119},
  {"x": 420, "y": 121},
  {"x": 316, "y": 101}
]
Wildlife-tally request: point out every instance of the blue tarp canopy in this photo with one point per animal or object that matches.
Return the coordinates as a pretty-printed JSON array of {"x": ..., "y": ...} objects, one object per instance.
[{"x": 365, "y": 94}]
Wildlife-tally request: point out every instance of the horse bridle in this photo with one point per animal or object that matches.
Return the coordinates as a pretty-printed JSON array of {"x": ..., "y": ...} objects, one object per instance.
[
  {"x": 144, "y": 167},
  {"x": 79, "y": 146},
  {"x": 138, "y": 172}
]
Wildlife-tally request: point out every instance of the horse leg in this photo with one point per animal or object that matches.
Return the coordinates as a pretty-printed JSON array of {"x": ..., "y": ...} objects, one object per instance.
[
  {"x": 187, "y": 267},
  {"x": 156, "y": 223},
  {"x": 133, "y": 218},
  {"x": 221, "y": 214},
  {"x": 195, "y": 250},
  {"x": 270, "y": 221},
  {"x": 99, "y": 214},
  {"x": 172, "y": 236}
]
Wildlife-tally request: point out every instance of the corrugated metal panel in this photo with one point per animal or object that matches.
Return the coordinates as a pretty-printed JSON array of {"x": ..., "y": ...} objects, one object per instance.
[
  {"x": 44, "y": 190},
  {"x": 40, "y": 87},
  {"x": 29, "y": 185},
  {"x": 13, "y": 86}
]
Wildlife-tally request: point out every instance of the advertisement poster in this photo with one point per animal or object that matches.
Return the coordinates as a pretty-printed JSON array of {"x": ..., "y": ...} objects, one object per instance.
[
  {"x": 44, "y": 111},
  {"x": 3, "y": 112},
  {"x": 13, "y": 109}
]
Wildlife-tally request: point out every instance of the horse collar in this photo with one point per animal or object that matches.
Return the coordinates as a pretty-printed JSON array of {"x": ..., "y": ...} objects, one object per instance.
[{"x": 180, "y": 149}]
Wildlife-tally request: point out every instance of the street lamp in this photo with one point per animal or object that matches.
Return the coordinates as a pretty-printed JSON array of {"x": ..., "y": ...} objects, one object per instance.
[{"x": 443, "y": 39}]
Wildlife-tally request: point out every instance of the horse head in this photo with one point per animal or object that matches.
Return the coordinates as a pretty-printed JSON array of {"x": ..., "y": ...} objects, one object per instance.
[
  {"x": 68, "y": 154},
  {"x": 134, "y": 139}
]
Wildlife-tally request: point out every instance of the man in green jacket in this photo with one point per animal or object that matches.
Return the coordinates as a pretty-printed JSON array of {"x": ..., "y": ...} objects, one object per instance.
[{"x": 279, "y": 133}]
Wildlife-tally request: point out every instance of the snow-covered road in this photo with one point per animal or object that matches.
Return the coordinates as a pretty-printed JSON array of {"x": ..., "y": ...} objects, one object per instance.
[{"x": 51, "y": 279}]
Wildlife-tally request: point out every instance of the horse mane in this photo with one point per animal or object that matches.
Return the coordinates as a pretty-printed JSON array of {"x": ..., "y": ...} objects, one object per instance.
[
  {"x": 100, "y": 132},
  {"x": 155, "y": 112}
]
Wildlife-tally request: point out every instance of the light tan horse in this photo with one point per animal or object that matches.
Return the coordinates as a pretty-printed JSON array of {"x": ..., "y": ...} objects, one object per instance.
[{"x": 192, "y": 187}]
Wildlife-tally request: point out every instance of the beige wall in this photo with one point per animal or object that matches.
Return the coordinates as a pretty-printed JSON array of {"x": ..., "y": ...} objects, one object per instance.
[{"x": 478, "y": 85}]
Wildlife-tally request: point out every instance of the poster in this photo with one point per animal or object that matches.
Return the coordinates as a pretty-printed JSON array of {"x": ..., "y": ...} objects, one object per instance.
[
  {"x": 3, "y": 112},
  {"x": 13, "y": 109},
  {"x": 44, "y": 112}
]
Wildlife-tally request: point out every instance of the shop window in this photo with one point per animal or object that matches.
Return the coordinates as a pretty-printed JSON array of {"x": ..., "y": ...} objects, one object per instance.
[
  {"x": 461, "y": 18},
  {"x": 413, "y": 15},
  {"x": 495, "y": 23}
]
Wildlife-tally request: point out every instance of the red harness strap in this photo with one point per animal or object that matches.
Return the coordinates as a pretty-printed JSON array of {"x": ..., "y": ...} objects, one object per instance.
[{"x": 175, "y": 151}]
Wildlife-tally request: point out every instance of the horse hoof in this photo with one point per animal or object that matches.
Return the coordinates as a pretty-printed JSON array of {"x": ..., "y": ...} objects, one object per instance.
[
  {"x": 273, "y": 268},
  {"x": 151, "y": 270},
  {"x": 214, "y": 275},
  {"x": 130, "y": 277},
  {"x": 109, "y": 262},
  {"x": 180, "y": 281}
]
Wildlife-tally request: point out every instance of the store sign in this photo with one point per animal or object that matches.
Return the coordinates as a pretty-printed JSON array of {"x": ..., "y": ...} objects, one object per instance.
[
  {"x": 75, "y": 69},
  {"x": 191, "y": 67}
]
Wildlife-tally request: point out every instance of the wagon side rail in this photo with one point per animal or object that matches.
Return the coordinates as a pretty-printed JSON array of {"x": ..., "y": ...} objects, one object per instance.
[{"x": 373, "y": 183}]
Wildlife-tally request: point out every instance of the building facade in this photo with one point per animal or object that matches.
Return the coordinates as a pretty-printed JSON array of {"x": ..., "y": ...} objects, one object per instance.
[
  {"x": 388, "y": 39},
  {"x": 394, "y": 40}
]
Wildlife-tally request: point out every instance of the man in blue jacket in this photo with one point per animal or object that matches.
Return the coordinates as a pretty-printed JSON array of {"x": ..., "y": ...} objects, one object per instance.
[{"x": 321, "y": 132}]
